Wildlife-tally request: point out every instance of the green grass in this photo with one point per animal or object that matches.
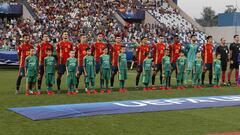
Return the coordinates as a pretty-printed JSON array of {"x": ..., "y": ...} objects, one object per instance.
[{"x": 185, "y": 122}]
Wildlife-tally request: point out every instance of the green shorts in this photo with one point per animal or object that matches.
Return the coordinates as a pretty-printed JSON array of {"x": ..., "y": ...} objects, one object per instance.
[
  {"x": 105, "y": 74},
  {"x": 146, "y": 76},
  {"x": 123, "y": 74},
  {"x": 32, "y": 79},
  {"x": 50, "y": 79},
  {"x": 167, "y": 73}
]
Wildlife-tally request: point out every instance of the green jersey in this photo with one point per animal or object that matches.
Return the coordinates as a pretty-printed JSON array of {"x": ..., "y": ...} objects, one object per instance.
[
  {"x": 49, "y": 63},
  {"x": 89, "y": 64},
  {"x": 181, "y": 63},
  {"x": 198, "y": 65},
  {"x": 31, "y": 65},
  {"x": 191, "y": 52},
  {"x": 166, "y": 63},
  {"x": 105, "y": 61},
  {"x": 217, "y": 66},
  {"x": 71, "y": 64},
  {"x": 122, "y": 60},
  {"x": 147, "y": 64}
]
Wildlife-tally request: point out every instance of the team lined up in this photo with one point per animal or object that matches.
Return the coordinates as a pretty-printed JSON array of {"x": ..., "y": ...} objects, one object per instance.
[{"x": 90, "y": 60}]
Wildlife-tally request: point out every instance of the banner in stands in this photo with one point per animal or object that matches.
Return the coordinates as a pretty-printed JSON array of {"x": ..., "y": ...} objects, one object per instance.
[
  {"x": 8, "y": 58},
  {"x": 123, "y": 107}
]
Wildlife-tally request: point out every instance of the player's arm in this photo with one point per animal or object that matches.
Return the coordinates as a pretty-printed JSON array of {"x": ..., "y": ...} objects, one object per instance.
[
  {"x": 19, "y": 51},
  {"x": 230, "y": 53},
  {"x": 177, "y": 65},
  {"x": 77, "y": 68},
  {"x": 45, "y": 63},
  {"x": 38, "y": 50},
  {"x": 163, "y": 67}
]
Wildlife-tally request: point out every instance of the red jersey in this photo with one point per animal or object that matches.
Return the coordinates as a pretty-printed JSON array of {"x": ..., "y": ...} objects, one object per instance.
[
  {"x": 174, "y": 49},
  {"x": 81, "y": 52},
  {"x": 97, "y": 50},
  {"x": 141, "y": 53},
  {"x": 115, "y": 51},
  {"x": 63, "y": 49},
  {"x": 158, "y": 52},
  {"x": 41, "y": 51},
  {"x": 207, "y": 53},
  {"x": 23, "y": 52}
]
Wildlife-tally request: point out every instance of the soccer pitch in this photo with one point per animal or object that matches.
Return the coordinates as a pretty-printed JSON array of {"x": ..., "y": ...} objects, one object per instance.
[{"x": 184, "y": 122}]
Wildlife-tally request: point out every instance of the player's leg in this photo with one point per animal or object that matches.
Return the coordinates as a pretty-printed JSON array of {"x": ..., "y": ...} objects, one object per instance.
[
  {"x": 203, "y": 74},
  {"x": 230, "y": 73},
  {"x": 139, "y": 71},
  {"x": 161, "y": 77},
  {"x": 174, "y": 68},
  {"x": 133, "y": 61},
  {"x": 78, "y": 77},
  {"x": 40, "y": 72},
  {"x": 210, "y": 75},
  {"x": 33, "y": 83},
  {"x": 61, "y": 70},
  {"x": 68, "y": 84},
  {"x": 108, "y": 74},
  {"x": 224, "y": 68},
  {"x": 113, "y": 73},
  {"x": 21, "y": 74}
]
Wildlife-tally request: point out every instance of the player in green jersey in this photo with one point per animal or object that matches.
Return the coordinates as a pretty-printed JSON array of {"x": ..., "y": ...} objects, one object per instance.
[
  {"x": 31, "y": 70},
  {"x": 147, "y": 71},
  {"x": 191, "y": 50},
  {"x": 217, "y": 70},
  {"x": 181, "y": 70},
  {"x": 105, "y": 64},
  {"x": 49, "y": 68},
  {"x": 197, "y": 71},
  {"x": 122, "y": 72},
  {"x": 166, "y": 71},
  {"x": 71, "y": 68},
  {"x": 89, "y": 72}
]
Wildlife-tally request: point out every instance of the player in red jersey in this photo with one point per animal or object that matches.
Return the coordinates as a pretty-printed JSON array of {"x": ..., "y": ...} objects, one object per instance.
[
  {"x": 41, "y": 54},
  {"x": 158, "y": 53},
  {"x": 97, "y": 50},
  {"x": 23, "y": 52},
  {"x": 80, "y": 51},
  {"x": 142, "y": 50},
  {"x": 207, "y": 54},
  {"x": 175, "y": 50},
  {"x": 63, "y": 49},
  {"x": 114, "y": 52}
]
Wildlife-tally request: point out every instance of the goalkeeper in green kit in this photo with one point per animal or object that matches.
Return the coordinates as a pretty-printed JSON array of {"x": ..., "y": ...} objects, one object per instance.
[
  {"x": 31, "y": 70},
  {"x": 49, "y": 68},
  {"x": 71, "y": 68}
]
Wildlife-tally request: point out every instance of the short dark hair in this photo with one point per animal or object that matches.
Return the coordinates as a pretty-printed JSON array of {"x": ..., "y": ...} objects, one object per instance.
[
  {"x": 235, "y": 36},
  {"x": 105, "y": 48},
  {"x": 193, "y": 35},
  {"x": 208, "y": 37},
  {"x": 175, "y": 36},
  {"x": 49, "y": 49},
  {"x": 88, "y": 48}
]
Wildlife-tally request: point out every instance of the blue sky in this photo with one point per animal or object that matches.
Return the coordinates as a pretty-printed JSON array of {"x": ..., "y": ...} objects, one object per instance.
[{"x": 194, "y": 7}]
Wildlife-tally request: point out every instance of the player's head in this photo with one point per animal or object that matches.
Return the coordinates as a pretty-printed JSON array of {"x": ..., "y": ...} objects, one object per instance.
[
  {"x": 222, "y": 41},
  {"x": 45, "y": 37},
  {"x": 83, "y": 38},
  {"x": 100, "y": 37},
  {"x": 88, "y": 50},
  {"x": 166, "y": 52},
  {"x": 123, "y": 49},
  {"x": 209, "y": 39},
  {"x": 32, "y": 52},
  {"x": 236, "y": 38},
  {"x": 161, "y": 39},
  {"x": 176, "y": 38},
  {"x": 193, "y": 38},
  {"x": 105, "y": 50},
  {"x": 198, "y": 55},
  {"x": 72, "y": 54},
  {"x": 49, "y": 52},
  {"x": 144, "y": 40},
  {"x": 26, "y": 38},
  {"x": 65, "y": 35},
  {"x": 118, "y": 39}
]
